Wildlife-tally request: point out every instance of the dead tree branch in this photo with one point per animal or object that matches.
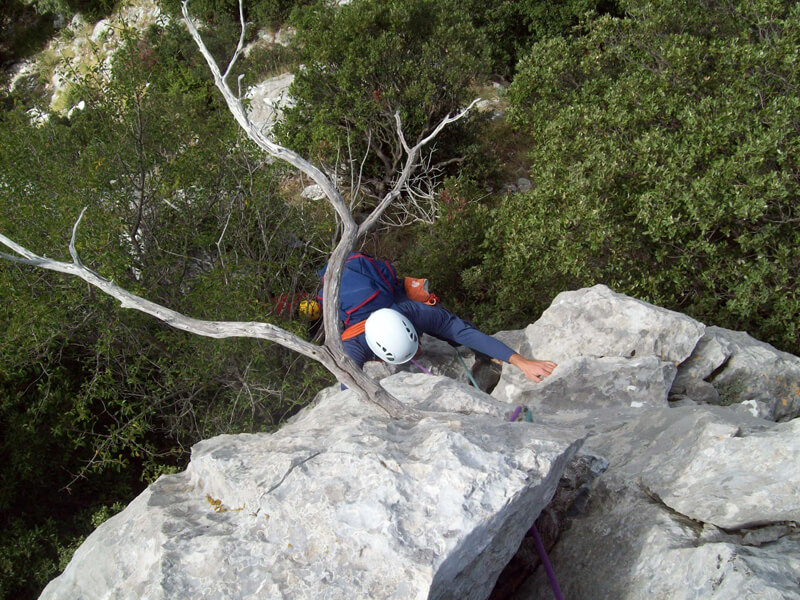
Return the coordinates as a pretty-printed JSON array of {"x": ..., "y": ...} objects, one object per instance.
[
  {"x": 354, "y": 378},
  {"x": 331, "y": 353}
]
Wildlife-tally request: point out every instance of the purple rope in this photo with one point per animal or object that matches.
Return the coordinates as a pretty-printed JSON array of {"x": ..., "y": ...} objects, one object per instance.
[
  {"x": 551, "y": 575},
  {"x": 423, "y": 369},
  {"x": 537, "y": 540}
]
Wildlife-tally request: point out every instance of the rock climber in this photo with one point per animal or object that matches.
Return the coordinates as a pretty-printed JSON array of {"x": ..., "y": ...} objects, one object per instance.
[{"x": 390, "y": 329}]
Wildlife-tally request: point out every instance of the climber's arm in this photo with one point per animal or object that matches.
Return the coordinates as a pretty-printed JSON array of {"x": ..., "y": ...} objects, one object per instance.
[{"x": 441, "y": 323}]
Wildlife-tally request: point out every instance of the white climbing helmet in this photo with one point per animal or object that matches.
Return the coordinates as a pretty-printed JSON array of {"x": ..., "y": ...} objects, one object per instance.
[{"x": 391, "y": 336}]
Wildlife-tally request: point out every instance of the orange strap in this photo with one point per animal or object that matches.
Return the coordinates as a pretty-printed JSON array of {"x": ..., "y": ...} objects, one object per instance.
[{"x": 354, "y": 330}]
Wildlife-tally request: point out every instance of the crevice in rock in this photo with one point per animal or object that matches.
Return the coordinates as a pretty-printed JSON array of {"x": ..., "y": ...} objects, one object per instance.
[
  {"x": 295, "y": 463},
  {"x": 756, "y": 536},
  {"x": 708, "y": 533},
  {"x": 570, "y": 499},
  {"x": 486, "y": 373},
  {"x": 680, "y": 518},
  {"x": 718, "y": 371}
]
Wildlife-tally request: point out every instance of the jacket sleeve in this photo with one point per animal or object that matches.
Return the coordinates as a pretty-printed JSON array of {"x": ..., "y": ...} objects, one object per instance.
[{"x": 441, "y": 323}]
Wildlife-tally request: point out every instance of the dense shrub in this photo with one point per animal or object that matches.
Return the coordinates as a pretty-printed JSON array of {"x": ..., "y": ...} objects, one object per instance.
[
  {"x": 664, "y": 163},
  {"x": 364, "y": 62},
  {"x": 510, "y": 27},
  {"x": 261, "y": 13}
]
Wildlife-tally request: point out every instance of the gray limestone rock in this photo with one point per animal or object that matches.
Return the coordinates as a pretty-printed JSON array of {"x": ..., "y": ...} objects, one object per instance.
[
  {"x": 591, "y": 384},
  {"x": 268, "y": 99},
  {"x": 730, "y": 480},
  {"x": 678, "y": 499},
  {"x": 313, "y": 192},
  {"x": 633, "y": 548},
  {"x": 340, "y": 503},
  {"x": 653, "y": 526},
  {"x": 732, "y": 368},
  {"x": 438, "y": 357},
  {"x": 598, "y": 322}
]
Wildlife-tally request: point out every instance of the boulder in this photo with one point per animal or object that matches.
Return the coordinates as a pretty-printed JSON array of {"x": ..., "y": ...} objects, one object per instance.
[
  {"x": 268, "y": 98},
  {"x": 598, "y": 322},
  {"x": 586, "y": 384},
  {"x": 697, "y": 503},
  {"x": 732, "y": 368},
  {"x": 313, "y": 192},
  {"x": 340, "y": 503},
  {"x": 612, "y": 351}
]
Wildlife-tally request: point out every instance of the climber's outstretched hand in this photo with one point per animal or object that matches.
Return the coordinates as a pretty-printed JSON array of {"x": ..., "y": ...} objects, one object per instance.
[{"x": 533, "y": 369}]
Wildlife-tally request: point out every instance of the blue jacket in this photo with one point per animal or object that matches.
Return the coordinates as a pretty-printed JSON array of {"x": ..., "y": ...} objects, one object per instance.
[{"x": 438, "y": 322}]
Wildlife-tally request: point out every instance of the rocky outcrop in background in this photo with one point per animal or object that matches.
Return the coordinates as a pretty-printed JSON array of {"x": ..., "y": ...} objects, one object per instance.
[{"x": 659, "y": 458}]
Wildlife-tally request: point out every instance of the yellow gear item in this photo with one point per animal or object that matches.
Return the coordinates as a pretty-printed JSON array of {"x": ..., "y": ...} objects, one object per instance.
[{"x": 309, "y": 309}]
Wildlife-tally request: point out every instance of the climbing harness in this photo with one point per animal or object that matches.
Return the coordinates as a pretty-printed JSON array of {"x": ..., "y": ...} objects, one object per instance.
[{"x": 354, "y": 330}]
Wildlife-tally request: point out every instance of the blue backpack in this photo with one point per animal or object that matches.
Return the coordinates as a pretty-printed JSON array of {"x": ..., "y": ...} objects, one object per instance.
[{"x": 367, "y": 285}]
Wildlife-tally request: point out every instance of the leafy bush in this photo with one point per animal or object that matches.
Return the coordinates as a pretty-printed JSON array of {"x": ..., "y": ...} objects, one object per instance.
[
  {"x": 263, "y": 13},
  {"x": 510, "y": 27},
  {"x": 449, "y": 249},
  {"x": 22, "y": 32},
  {"x": 363, "y": 62},
  {"x": 664, "y": 164}
]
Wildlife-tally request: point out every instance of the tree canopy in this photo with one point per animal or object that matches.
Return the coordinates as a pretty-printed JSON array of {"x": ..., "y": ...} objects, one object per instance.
[
  {"x": 364, "y": 62},
  {"x": 94, "y": 401}
]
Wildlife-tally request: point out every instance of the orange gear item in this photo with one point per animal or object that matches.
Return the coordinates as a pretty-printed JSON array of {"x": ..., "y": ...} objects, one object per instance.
[
  {"x": 417, "y": 290},
  {"x": 354, "y": 330}
]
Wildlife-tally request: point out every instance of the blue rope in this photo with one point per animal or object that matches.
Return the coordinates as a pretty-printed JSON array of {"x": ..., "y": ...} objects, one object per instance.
[{"x": 469, "y": 373}]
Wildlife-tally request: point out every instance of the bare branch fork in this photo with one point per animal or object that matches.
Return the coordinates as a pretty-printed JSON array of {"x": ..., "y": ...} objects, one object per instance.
[{"x": 331, "y": 353}]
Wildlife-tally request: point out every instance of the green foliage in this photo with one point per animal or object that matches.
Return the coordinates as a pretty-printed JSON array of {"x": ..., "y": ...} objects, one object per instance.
[
  {"x": 510, "y": 27},
  {"x": 367, "y": 60},
  {"x": 22, "y": 31},
  {"x": 96, "y": 402},
  {"x": 448, "y": 251},
  {"x": 263, "y": 13},
  {"x": 265, "y": 61},
  {"x": 665, "y": 165},
  {"x": 92, "y": 9}
]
